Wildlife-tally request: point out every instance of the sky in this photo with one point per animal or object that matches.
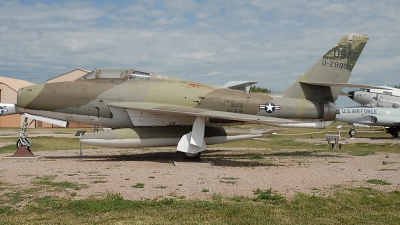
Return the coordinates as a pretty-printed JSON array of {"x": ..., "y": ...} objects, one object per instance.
[{"x": 208, "y": 41}]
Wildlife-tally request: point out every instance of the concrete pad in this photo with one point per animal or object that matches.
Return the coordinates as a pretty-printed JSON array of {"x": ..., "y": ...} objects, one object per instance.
[
  {"x": 22, "y": 158},
  {"x": 204, "y": 163}
]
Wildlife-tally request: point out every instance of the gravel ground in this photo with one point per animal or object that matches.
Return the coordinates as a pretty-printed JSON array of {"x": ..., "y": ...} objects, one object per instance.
[{"x": 236, "y": 172}]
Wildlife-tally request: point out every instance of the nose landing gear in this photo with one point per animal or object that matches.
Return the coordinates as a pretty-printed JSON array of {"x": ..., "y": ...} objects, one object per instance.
[
  {"x": 24, "y": 144},
  {"x": 352, "y": 131}
]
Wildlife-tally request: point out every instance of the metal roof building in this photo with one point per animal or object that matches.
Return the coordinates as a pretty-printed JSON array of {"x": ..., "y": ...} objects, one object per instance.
[
  {"x": 69, "y": 76},
  {"x": 8, "y": 94}
]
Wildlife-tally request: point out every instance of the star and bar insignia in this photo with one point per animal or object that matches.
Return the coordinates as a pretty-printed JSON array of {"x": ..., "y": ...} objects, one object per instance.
[{"x": 270, "y": 107}]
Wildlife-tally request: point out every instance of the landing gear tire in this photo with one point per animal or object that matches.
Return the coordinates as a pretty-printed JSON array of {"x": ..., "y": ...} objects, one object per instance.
[
  {"x": 26, "y": 141},
  {"x": 393, "y": 131},
  {"x": 191, "y": 155},
  {"x": 352, "y": 133}
]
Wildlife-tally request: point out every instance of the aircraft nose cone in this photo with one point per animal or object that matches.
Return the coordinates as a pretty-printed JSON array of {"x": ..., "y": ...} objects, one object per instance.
[
  {"x": 351, "y": 94},
  {"x": 27, "y": 94}
]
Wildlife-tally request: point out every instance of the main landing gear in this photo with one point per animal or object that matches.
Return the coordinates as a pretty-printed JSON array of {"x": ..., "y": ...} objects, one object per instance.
[
  {"x": 393, "y": 131},
  {"x": 191, "y": 155}
]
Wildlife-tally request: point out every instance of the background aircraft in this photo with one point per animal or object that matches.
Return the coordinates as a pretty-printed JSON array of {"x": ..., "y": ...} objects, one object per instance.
[
  {"x": 378, "y": 116},
  {"x": 378, "y": 96},
  {"x": 158, "y": 110}
]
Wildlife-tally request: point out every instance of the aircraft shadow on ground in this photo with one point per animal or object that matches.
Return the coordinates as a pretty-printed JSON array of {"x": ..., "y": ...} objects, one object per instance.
[
  {"x": 381, "y": 138},
  {"x": 218, "y": 157}
]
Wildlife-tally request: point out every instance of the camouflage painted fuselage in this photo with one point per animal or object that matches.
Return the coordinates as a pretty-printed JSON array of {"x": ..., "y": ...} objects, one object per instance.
[
  {"x": 100, "y": 100},
  {"x": 87, "y": 101}
]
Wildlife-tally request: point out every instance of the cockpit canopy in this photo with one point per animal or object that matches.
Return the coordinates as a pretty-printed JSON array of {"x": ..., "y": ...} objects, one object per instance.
[{"x": 116, "y": 74}]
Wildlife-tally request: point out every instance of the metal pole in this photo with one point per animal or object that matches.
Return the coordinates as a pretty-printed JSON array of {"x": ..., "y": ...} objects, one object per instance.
[{"x": 80, "y": 147}]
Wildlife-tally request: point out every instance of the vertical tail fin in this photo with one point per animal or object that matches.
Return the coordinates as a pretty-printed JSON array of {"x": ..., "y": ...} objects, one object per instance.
[{"x": 334, "y": 67}]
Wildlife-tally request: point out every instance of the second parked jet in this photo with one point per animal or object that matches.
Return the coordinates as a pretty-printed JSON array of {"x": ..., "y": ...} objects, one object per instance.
[{"x": 387, "y": 117}]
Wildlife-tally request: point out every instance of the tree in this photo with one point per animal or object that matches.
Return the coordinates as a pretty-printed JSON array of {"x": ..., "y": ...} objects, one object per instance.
[
  {"x": 259, "y": 89},
  {"x": 397, "y": 86}
]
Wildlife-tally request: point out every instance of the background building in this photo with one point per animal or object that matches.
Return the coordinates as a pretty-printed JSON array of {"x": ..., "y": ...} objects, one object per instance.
[
  {"x": 69, "y": 76},
  {"x": 8, "y": 94}
]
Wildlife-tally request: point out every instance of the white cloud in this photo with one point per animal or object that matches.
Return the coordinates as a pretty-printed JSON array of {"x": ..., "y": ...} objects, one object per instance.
[
  {"x": 196, "y": 55},
  {"x": 267, "y": 41}
]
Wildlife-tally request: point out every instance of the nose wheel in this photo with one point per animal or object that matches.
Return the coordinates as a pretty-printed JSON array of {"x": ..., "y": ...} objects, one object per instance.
[
  {"x": 352, "y": 131},
  {"x": 23, "y": 140}
]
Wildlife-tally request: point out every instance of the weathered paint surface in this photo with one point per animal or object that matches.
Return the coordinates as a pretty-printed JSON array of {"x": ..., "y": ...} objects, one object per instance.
[{"x": 92, "y": 97}]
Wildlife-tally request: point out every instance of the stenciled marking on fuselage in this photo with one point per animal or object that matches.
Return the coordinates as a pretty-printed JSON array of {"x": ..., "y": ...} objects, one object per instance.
[
  {"x": 236, "y": 107},
  {"x": 270, "y": 107},
  {"x": 359, "y": 111},
  {"x": 199, "y": 85}
]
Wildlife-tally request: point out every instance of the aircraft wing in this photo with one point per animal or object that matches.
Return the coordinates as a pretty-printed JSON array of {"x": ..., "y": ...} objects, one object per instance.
[
  {"x": 198, "y": 112},
  {"x": 343, "y": 85}
]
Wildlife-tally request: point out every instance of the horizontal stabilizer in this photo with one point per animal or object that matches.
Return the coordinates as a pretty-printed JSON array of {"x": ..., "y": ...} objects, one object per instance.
[
  {"x": 344, "y": 94},
  {"x": 343, "y": 85},
  {"x": 239, "y": 85}
]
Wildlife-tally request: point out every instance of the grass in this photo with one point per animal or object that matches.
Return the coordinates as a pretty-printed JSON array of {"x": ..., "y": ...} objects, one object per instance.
[
  {"x": 279, "y": 143},
  {"x": 99, "y": 182},
  {"x": 351, "y": 206},
  {"x": 48, "y": 181},
  {"x": 284, "y": 139},
  {"x": 267, "y": 195},
  {"x": 378, "y": 182},
  {"x": 138, "y": 185},
  {"x": 356, "y": 206},
  {"x": 45, "y": 143}
]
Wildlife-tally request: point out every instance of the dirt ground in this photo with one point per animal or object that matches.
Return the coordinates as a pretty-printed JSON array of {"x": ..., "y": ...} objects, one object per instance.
[{"x": 149, "y": 174}]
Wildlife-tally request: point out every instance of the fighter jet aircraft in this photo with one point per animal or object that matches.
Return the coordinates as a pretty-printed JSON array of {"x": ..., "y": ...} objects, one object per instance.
[
  {"x": 150, "y": 109},
  {"x": 388, "y": 117},
  {"x": 377, "y": 96}
]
